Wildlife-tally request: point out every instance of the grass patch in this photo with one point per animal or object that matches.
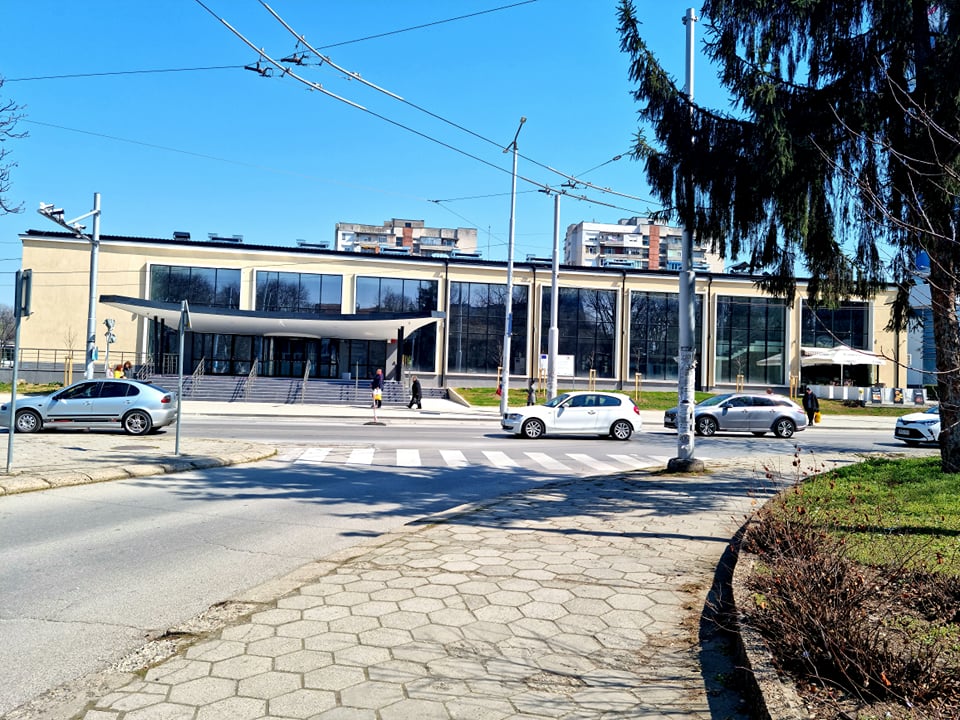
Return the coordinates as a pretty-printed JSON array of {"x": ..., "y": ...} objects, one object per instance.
[
  {"x": 884, "y": 508},
  {"x": 858, "y": 588},
  {"x": 647, "y": 400},
  {"x": 30, "y": 388}
]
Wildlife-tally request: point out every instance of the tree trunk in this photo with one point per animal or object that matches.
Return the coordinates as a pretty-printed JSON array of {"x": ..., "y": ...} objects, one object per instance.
[{"x": 944, "y": 289}]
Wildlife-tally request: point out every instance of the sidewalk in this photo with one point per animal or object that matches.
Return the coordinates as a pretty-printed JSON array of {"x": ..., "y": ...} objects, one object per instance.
[{"x": 580, "y": 599}]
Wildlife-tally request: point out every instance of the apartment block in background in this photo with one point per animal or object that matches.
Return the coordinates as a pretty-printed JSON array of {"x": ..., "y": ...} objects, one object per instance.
[
  {"x": 632, "y": 242},
  {"x": 407, "y": 237}
]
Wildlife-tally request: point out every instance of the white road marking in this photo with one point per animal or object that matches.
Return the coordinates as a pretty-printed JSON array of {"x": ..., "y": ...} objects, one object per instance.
[
  {"x": 592, "y": 462},
  {"x": 548, "y": 462},
  {"x": 454, "y": 458},
  {"x": 361, "y": 456},
  {"x": 499, "y": 459},
  {"x": 314, "y": 456},
  {"x": 635, "y": 462},
  {"x": 408, "y": 458}
]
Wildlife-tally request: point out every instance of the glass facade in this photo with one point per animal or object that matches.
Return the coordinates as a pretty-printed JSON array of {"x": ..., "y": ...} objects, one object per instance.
[
  {"x": 586, "y": 323},
  {"x": 751, "y": 336},
  {"x": 846, "y": 324},
  {"x": 305, "y": 293},
  {"x": 476, "y": 322},
  {"x": 655, "y": 334},
  {"x": 200, "y": 286},
  {"x": 399, "y": 295}
]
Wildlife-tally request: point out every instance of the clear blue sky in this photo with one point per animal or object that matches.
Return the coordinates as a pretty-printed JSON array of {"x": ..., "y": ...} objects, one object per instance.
[{"x": 231, "y": 152}]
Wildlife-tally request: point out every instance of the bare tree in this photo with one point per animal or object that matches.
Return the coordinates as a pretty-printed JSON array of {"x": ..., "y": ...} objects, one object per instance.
[{"x": 9, "y": 116}]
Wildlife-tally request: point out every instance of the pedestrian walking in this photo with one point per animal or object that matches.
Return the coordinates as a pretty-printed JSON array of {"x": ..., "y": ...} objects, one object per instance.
[
  {"x": 376, "y": 388},
  {"x": 811, "y": 405},
  {"x": 416, "y": 394},
  {"x": 128, "y": 370},
  {"x": 531, "y": 394}
]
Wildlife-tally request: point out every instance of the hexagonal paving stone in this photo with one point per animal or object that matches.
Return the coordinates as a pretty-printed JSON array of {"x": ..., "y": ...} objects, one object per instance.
[
  {"x": 361, "y": 655},
  {"x": 163, "y": 711},
  {"x": 328, "y": 642},
  {"x": 240, "y": 667},
  {"x": 421, "y": 604},
  {"x": 247, "y": 632},
  {"x": 348, "y": 599},
  {"x": 269, "y": 685},
  {"x": 334, "y": 678},
  {"x": 300, "y": 602},
  {"x": 302, "y": 628},
  {"x": 543, "y": 610},
  {"x": 275, "y": 616},
  {"x": 415, "y": 710},
  {"x": 326, "y": 613},
  {"x": 375, "y": 608},
  {"x": 385, "y": 637},
  {"x": 202, "y": 691},
  {"x": 213, "y": 650},
  {"x": 275, "y": 646},
  {"x": 467, "y": 708},
  {"x": 302, "y": 703},
  {"x": 354, "y": 624},
  {"x": 452, "y": 617},
  {"x": 391, "y": 594},
  {"x": 178, "y": 670},
  {"x": 303, "y": 661},
  {"x": 236, "y": 708},
  {"x": 372, "y": 694},
  {"x": 435, "y": 591},
  {"x": 347, "y": 713}
]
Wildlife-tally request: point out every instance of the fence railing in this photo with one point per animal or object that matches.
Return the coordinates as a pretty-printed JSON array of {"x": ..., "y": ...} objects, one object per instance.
[{"x": 251, "y": 376}]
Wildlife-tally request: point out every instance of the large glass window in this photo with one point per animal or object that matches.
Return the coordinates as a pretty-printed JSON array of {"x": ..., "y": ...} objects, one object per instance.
[
  {"x": 586, "y": 321},
  {"x": 751, "y": 334},
  {"x": 828, "y": 327},
  {"x": 304, "y": 293},
  {"x": 399, "y": 295},
  {"x": 476, "y": 327},
  {"x": 200, "y": 286},
  {"x": 655, "y": 334}
]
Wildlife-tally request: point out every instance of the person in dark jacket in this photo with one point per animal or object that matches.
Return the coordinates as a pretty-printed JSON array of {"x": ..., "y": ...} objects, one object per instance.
[
  {"x": 531, "y": 393},
  {"x": 376, "y": 388},
  {"x": 810, "y": 404},
  {"x": 416, "y": 394}
]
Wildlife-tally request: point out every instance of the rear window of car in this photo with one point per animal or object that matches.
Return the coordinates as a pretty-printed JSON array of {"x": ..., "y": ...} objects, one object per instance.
[{"x": 607, "y": 400}]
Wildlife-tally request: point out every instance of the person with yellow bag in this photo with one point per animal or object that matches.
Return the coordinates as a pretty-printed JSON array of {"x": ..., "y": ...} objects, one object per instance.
[{"x": 811, "y": 405}]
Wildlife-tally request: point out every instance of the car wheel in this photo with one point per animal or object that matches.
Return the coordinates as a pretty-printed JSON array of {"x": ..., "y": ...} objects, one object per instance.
[
  {"x": 621, "y": 430},
  {"x": 759, "y": 434},
  {"x": 533, "y": 429},
  {"x": 137, "y": 422},
  {"x": 706, "y": 425},
  {"x": 28, "y": 421},
  {"x": 784, "y": 428}
]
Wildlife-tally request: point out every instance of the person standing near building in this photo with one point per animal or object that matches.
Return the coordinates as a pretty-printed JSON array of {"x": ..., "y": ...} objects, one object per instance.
[
  {"x": 531, "y": 394},
  {"x": 376, "y": 388},
  {"x": 416, "y": 394},
  {"x": 811, "y": 404}
]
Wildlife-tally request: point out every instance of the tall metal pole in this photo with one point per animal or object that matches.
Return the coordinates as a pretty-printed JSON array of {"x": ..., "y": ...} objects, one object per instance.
[
  {"x": 92, "y": 311},
  {"x": 11, "y": 421},
  {"x": 686, "y": 397},
  {"x": 553, "y": 337},
  {"x": 508, "y": 321}
]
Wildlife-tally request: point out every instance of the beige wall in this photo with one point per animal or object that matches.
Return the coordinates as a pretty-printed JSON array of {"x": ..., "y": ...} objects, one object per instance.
[{"x": 61, "y": 272}]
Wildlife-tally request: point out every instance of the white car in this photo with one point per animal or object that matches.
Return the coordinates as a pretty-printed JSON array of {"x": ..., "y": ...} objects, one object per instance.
[
  {"x": 577, "y": 413},
  {"x": 919, "y": 427}
]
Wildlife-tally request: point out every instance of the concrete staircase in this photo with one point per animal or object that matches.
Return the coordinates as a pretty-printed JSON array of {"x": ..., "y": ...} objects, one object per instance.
[{"x": 224, "y": 388}]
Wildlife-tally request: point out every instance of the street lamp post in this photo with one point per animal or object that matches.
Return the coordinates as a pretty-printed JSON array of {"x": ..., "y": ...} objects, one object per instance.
[
  {"x": 685, "y": 460},
  {"x": 56, "y": 215},
  {"x": 508, "y": 321}
]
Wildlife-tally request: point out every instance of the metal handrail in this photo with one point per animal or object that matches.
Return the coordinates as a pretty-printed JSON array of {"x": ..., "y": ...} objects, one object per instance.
[
  {"x": 303, "y": 387},
  {"x": 197, "y": 374},
  {"x": 251, "y": 376}
]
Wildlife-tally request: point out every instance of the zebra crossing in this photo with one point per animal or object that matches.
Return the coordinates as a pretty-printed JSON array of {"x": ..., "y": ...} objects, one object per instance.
[{"x": 557, "y": 463}]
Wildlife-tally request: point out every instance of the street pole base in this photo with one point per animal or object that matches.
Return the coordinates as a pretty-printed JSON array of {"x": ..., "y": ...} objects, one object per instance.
[
  {"x": 375, "y": 422},
  {"x": 685, "y": 465}
]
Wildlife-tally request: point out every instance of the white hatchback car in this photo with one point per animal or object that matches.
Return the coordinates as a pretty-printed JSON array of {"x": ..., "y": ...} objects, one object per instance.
[
  {"x": 577, "y": 413},
  {"x": 919, "y": 427}
]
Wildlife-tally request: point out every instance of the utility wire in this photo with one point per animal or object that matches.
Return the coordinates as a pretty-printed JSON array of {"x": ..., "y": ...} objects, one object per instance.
[
  {"x": 356, "y": 76},
  {"x": 125, "y": 72}
]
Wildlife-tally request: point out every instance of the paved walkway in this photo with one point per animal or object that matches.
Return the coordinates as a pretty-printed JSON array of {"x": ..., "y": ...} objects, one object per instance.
[{"x": 580, "y": 599}]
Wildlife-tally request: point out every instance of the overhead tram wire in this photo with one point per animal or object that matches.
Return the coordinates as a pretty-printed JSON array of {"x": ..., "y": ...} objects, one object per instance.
[
  {"x": 316, "y": 86},
  {"x": 356, "y": 76}
]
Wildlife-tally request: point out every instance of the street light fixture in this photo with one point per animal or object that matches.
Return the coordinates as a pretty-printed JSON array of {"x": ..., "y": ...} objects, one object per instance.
[
  {"x": 49, "y": 211},
  {"x": 508, "y": 323}
]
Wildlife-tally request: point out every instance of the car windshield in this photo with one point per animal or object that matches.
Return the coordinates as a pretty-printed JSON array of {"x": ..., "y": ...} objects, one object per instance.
[
  {"x": 715, "y": 400},
  {"x": 557, "y": 400},
  {"x": 935, "y": 410}
]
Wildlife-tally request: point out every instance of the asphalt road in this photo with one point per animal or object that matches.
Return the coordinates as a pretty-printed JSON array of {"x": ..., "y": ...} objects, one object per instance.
[{"x": 88, "y": 572}]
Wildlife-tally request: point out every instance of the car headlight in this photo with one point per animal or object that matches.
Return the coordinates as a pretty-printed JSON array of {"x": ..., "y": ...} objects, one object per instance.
[{"x": 513, "y": 416}]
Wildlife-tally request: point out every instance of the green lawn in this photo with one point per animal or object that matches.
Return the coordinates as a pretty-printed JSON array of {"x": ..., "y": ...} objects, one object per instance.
[{"x": 886, "y": 510}]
